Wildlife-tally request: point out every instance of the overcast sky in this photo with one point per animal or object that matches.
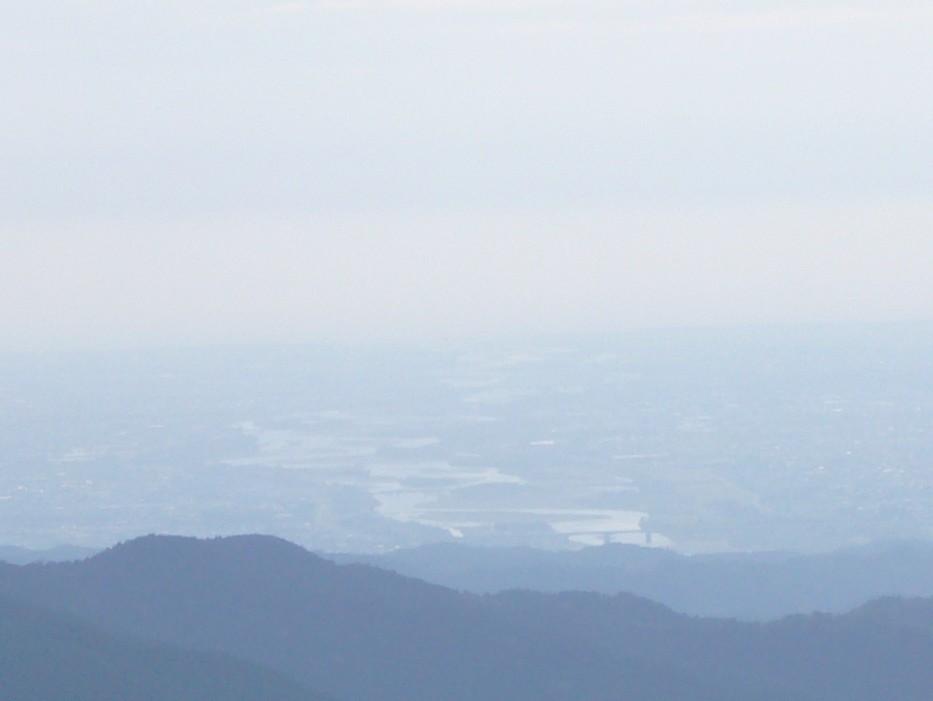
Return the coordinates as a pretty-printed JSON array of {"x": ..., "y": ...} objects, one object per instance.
[{"x": 238, "y": 171}]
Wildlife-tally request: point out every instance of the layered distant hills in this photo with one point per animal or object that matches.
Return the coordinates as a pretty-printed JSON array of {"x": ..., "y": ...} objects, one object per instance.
[
  {"x": 749, "y": 586},
  {"x": 61, "y": 553},
  {"x": 360, "y": 633}
]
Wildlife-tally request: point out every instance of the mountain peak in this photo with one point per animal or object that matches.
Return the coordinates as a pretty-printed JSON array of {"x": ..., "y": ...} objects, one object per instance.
[{"x": 157, "y": 547}]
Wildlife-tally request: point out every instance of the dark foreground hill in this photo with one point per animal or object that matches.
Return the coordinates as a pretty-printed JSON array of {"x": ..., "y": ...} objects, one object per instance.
[
  {"x": 749, "y": 586},
  {"x": 58, "y": 657},
  {"x": 361, "y": 634}
]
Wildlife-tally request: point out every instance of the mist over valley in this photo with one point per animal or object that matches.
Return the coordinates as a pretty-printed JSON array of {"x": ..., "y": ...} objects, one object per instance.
[{"x": 742, "y": 439}]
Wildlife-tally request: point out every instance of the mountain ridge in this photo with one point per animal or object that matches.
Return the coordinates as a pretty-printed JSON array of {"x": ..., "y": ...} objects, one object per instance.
[
  {"x": 358, "y": 632},
  {"x": 748, "y": 586}
]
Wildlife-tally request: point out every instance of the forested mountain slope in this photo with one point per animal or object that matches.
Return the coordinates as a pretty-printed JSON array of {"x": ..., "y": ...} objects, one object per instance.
[
  {"x": 357, "y": 632},
  {"x": 50, "y": 656}
]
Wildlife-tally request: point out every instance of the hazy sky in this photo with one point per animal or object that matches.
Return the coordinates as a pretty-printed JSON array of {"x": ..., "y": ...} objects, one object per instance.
[{"x": 233, "y": 170}]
